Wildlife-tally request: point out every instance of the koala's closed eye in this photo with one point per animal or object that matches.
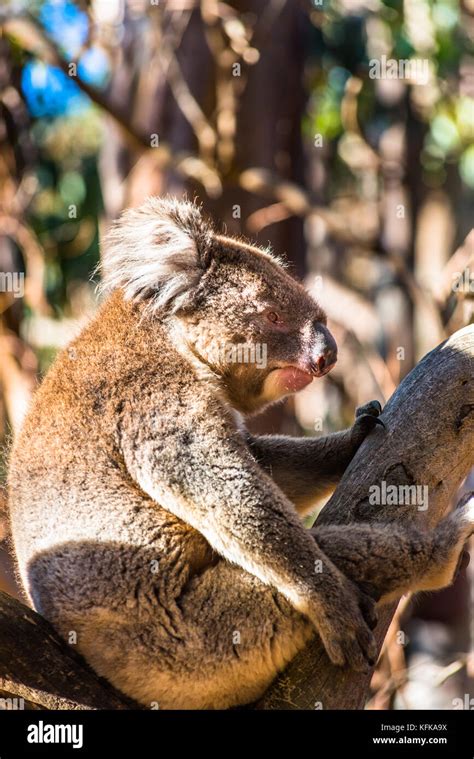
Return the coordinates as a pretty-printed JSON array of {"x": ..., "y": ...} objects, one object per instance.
[{"x": 275, "y": 318}]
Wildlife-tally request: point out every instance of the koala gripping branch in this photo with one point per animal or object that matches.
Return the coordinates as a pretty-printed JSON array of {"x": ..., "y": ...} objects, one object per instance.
[{"x": 428, "y": 441}]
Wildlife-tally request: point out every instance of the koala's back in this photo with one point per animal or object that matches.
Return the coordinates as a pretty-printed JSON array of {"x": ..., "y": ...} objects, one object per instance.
[{"x": 68, "y": 484}]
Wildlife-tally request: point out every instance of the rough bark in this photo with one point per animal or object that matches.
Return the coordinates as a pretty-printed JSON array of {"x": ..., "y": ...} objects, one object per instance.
[
  {"x": 38, "y": 666},
  {"x": 429, "y": 440}
]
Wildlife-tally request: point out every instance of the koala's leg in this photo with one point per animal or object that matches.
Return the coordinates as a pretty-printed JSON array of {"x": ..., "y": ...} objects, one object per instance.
[
  {"x": 226, "y": 637},
  {"x": 308, "y": 469},
  {"x": 392, "y": 559}
]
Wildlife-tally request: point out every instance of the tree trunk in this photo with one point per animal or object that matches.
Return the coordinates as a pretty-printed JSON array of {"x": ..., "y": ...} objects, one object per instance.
[{"x": 429, "y": 440}]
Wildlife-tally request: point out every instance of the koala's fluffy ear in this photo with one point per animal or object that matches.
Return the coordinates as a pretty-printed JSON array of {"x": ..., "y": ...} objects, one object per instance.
[{"x": 157, "y": 252}]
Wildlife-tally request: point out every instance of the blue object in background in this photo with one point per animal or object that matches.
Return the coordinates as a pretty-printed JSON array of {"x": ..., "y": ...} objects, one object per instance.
[
  {"x": 47, "y": 90},
  {"x": 94, "y": 67},
  {"x": 65, "y": 24}
]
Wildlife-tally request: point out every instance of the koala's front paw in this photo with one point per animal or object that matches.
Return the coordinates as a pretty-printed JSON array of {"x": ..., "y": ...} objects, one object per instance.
[
  {"x": 344, "y": 629},
  {"x": 367, "y": 417}
]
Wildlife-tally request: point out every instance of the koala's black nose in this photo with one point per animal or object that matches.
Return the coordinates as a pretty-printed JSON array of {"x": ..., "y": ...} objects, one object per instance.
[
  {"x": 322, "y": 364},
  {"x": 324, "y": 354}
]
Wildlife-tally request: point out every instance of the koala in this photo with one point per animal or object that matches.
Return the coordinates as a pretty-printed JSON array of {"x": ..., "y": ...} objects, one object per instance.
[{"x": 151, "y": 528}]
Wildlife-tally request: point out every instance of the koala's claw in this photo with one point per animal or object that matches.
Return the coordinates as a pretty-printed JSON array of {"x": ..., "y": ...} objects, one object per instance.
[
  {"x": 350, "y": 642},
  {"x": 357, "y": 651},
  {"x": 367, "y": 417},
  {"x": 372, "y": 408},
  {"x": 368, "y": 422},
  {"x": 367, "y": 607}
]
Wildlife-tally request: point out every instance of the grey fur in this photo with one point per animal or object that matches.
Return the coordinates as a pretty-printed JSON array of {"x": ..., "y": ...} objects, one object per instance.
[{"x": 149, "y": 522}]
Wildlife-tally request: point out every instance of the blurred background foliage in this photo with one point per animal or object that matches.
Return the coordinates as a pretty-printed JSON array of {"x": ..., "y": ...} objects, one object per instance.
[{"x": 267, "y": 111}]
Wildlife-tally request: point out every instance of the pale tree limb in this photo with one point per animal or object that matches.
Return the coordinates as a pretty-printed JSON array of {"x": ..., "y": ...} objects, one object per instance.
[{"x": 429, "y": 440}]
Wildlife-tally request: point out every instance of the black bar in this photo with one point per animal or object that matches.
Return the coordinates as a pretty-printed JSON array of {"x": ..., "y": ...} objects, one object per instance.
[{"x": 159, "y": 733}]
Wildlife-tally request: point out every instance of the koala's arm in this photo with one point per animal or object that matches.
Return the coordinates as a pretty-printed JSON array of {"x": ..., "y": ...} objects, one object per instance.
[
  {"x": 206, "y": 476},
  {"x": 388, "y": 560},
  {"x": 307, "y": 469}
]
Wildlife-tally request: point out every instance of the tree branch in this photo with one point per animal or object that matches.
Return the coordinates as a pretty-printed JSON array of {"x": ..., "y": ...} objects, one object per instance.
[
  {"x": 39, "y": 667},
  {"x": 429, "y": 440}
]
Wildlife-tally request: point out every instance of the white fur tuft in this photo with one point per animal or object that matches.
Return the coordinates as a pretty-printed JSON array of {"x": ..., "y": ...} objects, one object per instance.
[
  {"x": 153, "y": 251},
  {"x": 462, "y": 515},
  {"x": 466, "y": 509}
]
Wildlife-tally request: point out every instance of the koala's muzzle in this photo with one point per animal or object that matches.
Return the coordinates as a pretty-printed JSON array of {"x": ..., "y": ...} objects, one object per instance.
[{"x": 323, "y": 351}]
